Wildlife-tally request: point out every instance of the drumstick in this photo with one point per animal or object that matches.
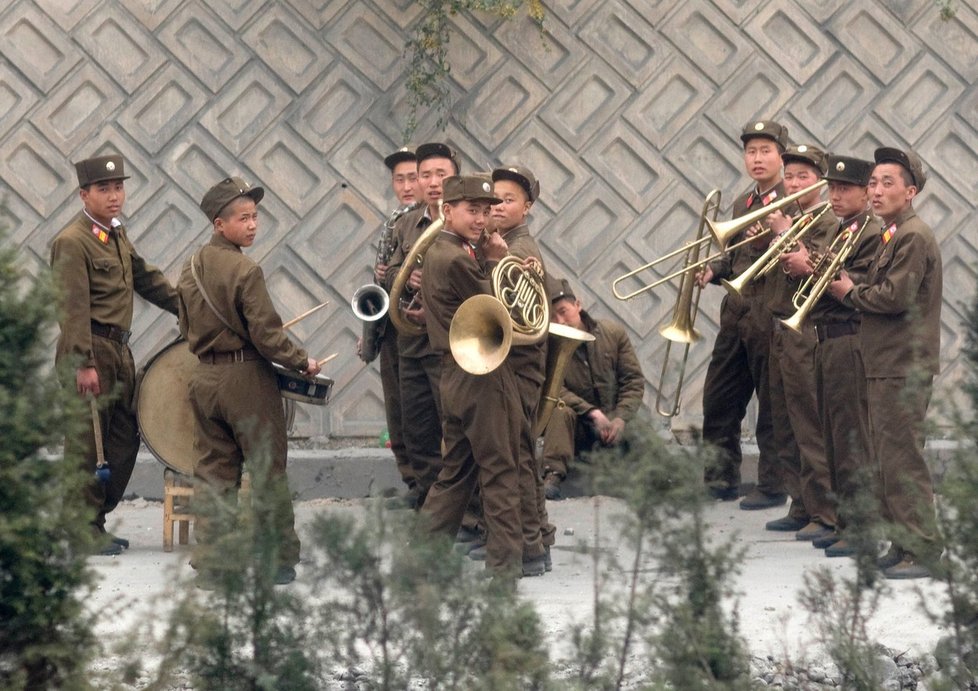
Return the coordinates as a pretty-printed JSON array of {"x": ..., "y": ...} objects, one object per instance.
[
  {"x": 326, "y": 359},
  {"x": 102, "y": 470},
  {"x": 302, "y": 316}
]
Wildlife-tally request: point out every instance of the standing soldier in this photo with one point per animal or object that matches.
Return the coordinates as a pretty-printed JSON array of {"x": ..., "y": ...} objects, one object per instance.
[
  {"x": 840, "y": 382},
  {"x": 98, "y": 269},
  {"x": 404, "y": 182},
  {"x": 792, "y": 364},
  {"x": 517, "y": 188},
  {"x": 230, "y": 324},
  {"x": 739, "y": 364},
  {"x": 482, "y": 413},
  {"x": 900, "y": 342},
  {"x": 419, "y": 366}
]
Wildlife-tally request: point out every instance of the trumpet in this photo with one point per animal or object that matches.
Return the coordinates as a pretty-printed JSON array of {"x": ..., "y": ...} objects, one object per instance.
[
  {"x": 724, "y": 231},
  {"x": 766, "y": 263},
  {"x": 680, "y": 329},
  {"x": 813, "y": 288}
]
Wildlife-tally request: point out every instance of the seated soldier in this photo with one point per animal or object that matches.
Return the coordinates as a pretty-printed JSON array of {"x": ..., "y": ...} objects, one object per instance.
[{"x": 603, "y": 387}]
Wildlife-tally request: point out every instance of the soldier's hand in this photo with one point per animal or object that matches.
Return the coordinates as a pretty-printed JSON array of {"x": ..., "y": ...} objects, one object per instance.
[
  {"x": 86, "y": 381},
  {"x": 841, "y": 286},
  {"x": 380, "y": 272},
  {"x": 704, "y": 276},
  {"x": 796, "y": 263},
  {"x": 415, "y": 314},
  {"x": 601, "y": 422},
  {"x": 414, "y": 280},
  {"x": 312, "y": 367},
  {"x": 614, "y": 431},
  {"x": 778, "y": 221},
  {"x": 494, "y": 247}
]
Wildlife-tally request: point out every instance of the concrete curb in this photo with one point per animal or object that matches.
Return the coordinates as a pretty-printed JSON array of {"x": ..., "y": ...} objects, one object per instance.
[{"x": 370, "y": 472}]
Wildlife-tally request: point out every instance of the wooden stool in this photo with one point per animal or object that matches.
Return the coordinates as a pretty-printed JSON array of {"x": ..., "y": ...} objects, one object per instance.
[{"x": 177, "y": 493}]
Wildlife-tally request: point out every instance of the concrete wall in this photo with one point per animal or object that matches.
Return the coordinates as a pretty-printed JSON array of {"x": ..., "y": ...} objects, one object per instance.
[{"x": 628, "y": 112}]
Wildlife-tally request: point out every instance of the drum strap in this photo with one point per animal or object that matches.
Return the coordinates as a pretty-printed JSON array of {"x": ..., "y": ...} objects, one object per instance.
[{"x": 207, "y": 298}]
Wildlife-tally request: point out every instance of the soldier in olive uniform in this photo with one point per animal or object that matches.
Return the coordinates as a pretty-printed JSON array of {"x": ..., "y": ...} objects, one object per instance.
[
  {"x": 419, "y": 366},
  {"x": 230, "y": 324},
  {"x": 603, "y": 389},
  {"x": 840, "y": 382},
  {"x": 518, "y": 189},
  {"x": 482, "y": 416},
  {"x": 792, "y": 363},
  {"x": 739, "y": 364},
  {"x": 900, "y": 341},
  {"x": 98, "y": 270},
  {"x": 403, "y": 167}
]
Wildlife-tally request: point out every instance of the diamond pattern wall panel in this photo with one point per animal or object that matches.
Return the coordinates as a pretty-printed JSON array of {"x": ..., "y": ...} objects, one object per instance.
[{"x": 628, "y": 111}]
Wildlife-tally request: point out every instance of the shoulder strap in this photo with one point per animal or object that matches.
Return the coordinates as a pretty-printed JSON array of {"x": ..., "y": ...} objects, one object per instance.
[{"x": 207, "y": 299}]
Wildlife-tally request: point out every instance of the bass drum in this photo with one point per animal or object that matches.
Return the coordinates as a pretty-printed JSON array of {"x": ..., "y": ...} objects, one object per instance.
[{"x": 163, "y": 411}]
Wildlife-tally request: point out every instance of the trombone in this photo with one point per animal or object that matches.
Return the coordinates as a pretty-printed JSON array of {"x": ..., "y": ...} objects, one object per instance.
[
  {"x": 766, "y": 263},
  {"x": 725, "y": 231},
  {"x": 813, "y": 287},
  {"x": 680, "y": 329}
]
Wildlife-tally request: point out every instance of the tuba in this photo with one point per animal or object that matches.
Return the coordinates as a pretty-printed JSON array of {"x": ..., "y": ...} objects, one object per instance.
[
  {"x": 412, "y": 261},
  {"x": 485, "y": 327},
  {"x": 562, "y": 341}
]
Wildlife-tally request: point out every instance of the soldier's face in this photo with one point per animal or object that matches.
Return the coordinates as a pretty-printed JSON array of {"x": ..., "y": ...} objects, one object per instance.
[
  {"x": 514, "y": 207},
  {"x": 888, "y": 191},
  {"x": 404, "y": 181},
  {"x": 798, "y": 176},
  {"x": 847, "y": 200},
  {"x": 239, "y": 222},
  {"x": 567, "y": 312},
  {"x": 762, "y": 160},
  {"x": 431, "y": 172},
  {"x": 467, "y": 219},
  {"x": 103, "y": 200}
]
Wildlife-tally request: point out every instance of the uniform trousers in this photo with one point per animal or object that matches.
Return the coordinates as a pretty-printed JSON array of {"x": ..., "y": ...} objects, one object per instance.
[
  {"x": 840, "y": 385},
  {"x": 895, "y": 416},
  {"x": 391, "y": 385},
  {"x": 239, "y": 420},
  {"x": 738, "y": 368},
  {"x": 794, "y": 407},
  {"x": 566, "y": 435},
  {"x": 482, "y": 440},
  {"x": 120, "y": 431},
  {"x": 533, "y": 498},
  {"x": 421, "y": 416}
]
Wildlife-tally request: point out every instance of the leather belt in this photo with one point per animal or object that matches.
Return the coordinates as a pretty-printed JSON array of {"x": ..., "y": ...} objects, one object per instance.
[
  {"x": 835, "y": 329},
  {"x": 227, "y": 357},
  {"x": 113, "y": 333}
]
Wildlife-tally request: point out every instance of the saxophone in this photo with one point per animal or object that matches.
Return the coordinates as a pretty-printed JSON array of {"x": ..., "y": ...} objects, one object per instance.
[{"x": 370, "y": 302}]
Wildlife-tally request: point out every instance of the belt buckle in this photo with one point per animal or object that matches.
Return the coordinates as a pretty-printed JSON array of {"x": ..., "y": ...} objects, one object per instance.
[
  {"x": 124, "y": 336},
  {"x": 237, "y": 356}
]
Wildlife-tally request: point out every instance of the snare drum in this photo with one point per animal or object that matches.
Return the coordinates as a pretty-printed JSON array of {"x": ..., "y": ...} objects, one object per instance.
[
  {"x": 163, "y": 410},
  {"x": 303, "y": 388}
]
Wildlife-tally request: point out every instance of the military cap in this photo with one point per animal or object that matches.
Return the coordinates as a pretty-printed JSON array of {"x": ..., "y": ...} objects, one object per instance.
[
  {"x": 400, "y": 156},
  {"x": 100, "y": 169},
  {"x": 522, "y": 177},
  {"x": 853, "y": 171},
  {"x": 225, "y": 192},
  {"x": 908, "y": 159},
  {"x": 468, "y": 188},
  {"x": 768, "y": 129},
  {"x": 559, "y": 289},
  {"x": 803, "y": 153},
  {"x": 437, "y": 150}
]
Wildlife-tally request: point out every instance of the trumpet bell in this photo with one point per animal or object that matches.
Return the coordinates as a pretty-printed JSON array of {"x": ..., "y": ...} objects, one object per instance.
[
  {"x": 370, "y": 302},
  {"x": 481, "y": 334}
]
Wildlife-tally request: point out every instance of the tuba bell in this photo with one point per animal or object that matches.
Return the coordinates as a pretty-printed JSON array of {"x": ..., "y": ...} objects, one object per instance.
[{"x": 562, "y": 341}]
